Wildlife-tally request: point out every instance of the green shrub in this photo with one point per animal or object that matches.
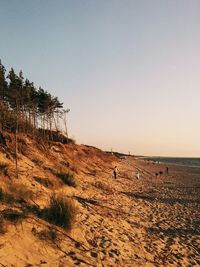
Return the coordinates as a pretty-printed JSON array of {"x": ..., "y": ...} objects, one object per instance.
[
  {"x": 67, "y": 178},
  {"x": 61, "y": 211}
]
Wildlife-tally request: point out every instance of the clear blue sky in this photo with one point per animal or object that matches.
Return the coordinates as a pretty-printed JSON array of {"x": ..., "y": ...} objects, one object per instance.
[{"x": 129, "y": 70}]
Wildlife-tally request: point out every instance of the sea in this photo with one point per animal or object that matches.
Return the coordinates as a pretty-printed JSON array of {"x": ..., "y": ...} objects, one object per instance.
[{"x": 191, "y": 162}]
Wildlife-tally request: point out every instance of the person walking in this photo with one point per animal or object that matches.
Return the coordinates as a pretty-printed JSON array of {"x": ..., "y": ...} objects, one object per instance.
[
  {"x": 138, "y": 175},
  {"x": 115, "y": 172}
]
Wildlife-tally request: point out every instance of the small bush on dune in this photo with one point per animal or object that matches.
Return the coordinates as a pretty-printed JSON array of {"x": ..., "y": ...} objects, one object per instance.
[
  {"x": 67, "y": 178},
  {"x": 61, "y": 212}
]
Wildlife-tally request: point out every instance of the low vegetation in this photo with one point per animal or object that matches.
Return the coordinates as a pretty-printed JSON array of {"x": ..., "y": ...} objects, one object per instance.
[
  {"x": 61, "y": 211},
  {"x": 14, "y": 215},
  {"x": 43, "y": 181},
  {"x": 5, "y": 197},
  {"x": 19, "y": 192},
  {"x": 15, "y": 193},
  {"x": 67, "y": 178},
  {"x": 50, "y": 235}
]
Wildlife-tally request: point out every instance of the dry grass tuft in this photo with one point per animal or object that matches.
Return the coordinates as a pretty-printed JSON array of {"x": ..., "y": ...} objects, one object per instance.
[
  {"x": 67, "y": 178},
  {"x": 61, "y": 211},
  {"x": 50, "y": 235},
  {"x": 13, "y": 215},
  {"x": 43, "y": 181},
  {"x": 5, "y": 197},
  {"x": 19, "y": 192}
]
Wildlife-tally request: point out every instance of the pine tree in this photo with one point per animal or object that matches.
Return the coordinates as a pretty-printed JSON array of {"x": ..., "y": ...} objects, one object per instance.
[
  {"x": 3, "y": 82},
  {"x": 3, "y": 106}
]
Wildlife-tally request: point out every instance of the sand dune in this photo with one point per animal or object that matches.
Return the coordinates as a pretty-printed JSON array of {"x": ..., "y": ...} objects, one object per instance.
[{"x": 153, "y": 221}]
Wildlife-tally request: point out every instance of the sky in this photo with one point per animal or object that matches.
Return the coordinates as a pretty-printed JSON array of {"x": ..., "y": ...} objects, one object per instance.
[{"x": 129, "y": 70}]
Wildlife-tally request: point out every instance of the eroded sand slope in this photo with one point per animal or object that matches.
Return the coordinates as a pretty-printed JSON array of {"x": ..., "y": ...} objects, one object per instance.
[{"x": 123, "y": 222}]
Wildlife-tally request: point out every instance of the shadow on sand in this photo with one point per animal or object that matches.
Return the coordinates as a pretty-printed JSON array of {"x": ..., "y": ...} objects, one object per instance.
[
  {"x": 173, "y": 232},
  {"x": 169, "y": 200}
]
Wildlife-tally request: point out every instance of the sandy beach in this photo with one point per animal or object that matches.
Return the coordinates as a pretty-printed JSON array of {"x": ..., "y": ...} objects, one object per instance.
[
  {"x": 151, "y": 221},
  {"x": 99, "y": 133}
]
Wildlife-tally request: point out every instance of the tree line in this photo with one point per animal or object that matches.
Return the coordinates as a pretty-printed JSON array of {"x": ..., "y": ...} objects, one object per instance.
[{"x": 25, "y": 108}]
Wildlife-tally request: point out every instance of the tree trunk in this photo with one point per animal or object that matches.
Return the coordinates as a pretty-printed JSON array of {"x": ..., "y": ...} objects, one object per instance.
[{"x": 16, "y": 141}]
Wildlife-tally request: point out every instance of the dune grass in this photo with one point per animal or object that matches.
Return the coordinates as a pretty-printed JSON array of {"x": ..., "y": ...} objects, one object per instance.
[
  {"x": 61, "y": 211},
  {"x": 67, "y": 178}
]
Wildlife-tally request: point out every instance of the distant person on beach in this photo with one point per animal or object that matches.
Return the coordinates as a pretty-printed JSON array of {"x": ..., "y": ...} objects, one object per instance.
[
  {"x": 138, "y": 175},
  {"x": 167, "y": 170},
  {"x": 115, "y": 172}
]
